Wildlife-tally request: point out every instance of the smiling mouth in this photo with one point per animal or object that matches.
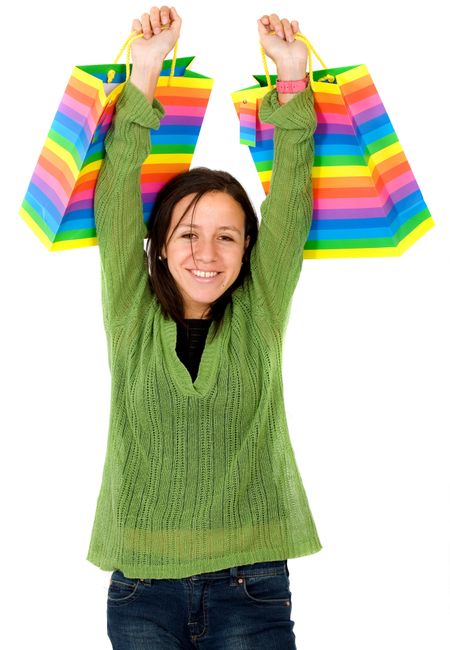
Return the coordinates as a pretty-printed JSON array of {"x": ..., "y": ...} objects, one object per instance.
[{"x": 205, "y": 278}]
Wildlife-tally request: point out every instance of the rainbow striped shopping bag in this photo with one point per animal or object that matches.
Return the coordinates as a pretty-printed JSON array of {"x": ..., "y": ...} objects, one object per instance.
[
  {"x": 59, "y": 202},
  {"x": 367, "y": 202}
]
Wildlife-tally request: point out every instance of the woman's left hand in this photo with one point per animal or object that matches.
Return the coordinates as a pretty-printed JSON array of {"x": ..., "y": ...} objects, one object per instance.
[{"x": 286, "y": 52}]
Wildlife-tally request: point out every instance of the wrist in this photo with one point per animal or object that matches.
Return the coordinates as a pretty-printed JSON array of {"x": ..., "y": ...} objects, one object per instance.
[
  {"x": 291, "y": 70},
  {"x": 145, "y": 77},
  {"x": 147, "y": 69}
]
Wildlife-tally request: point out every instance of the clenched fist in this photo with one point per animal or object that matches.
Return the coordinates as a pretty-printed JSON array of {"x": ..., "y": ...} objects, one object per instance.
[{"x": 161, "y": 30}]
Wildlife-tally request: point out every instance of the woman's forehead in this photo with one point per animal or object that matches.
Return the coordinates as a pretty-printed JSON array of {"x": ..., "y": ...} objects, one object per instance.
[{"x": 209, "y": 209}]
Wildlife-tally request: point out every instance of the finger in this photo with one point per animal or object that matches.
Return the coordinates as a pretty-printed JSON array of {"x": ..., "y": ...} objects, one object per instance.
[
  {"x": 176, "y": 19},
  {"x": 136, "y": 26},
  {"x": 146, "y": 28},
  {"x": 264, "y": 22},
  {"x": 287, "y": 30},
  {"x": 295, "y": 27},
  {"x": 165, "y": 15},
  {"x": 262, "y": 29},
  {"x": 276, "y": 25},
  {"x": 155, "y": 20}
]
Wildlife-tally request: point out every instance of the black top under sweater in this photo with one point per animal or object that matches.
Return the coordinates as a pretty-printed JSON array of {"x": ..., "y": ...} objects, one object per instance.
[{"x": 191, "y": 342}]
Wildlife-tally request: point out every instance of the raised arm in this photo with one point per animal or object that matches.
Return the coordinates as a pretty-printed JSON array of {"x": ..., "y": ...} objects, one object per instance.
[
  {"x": 286, "y": 213},
  {"x": 118, "y": 201}
]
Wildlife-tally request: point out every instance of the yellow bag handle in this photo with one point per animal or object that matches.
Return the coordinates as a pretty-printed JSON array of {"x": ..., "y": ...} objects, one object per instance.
[
  {"x": 298, "y": 37},
  {"x": 133, "y": 37}
]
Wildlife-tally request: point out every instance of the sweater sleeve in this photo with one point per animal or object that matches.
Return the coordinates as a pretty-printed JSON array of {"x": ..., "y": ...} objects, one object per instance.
[
  {"x": 286, "y": 213},
  {"x": 118, "y": 205}
]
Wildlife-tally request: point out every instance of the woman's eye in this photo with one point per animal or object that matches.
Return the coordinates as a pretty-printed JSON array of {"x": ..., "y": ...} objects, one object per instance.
[{"x": 189, "y": 234}]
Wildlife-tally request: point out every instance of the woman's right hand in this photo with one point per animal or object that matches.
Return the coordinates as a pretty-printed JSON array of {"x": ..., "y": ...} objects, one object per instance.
[{"x": 158, "y": 40}]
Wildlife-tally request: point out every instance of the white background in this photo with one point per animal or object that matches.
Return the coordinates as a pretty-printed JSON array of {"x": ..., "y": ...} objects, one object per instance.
[{"x": 366, "y": 368}]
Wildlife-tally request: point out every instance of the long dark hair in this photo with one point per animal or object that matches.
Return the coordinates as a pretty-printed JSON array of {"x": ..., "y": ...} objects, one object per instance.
[{"x": 197, "y": 181}]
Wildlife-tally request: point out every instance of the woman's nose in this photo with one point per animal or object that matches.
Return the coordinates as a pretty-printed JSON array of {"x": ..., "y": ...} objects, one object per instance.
[{"x": 206, "y": 251}]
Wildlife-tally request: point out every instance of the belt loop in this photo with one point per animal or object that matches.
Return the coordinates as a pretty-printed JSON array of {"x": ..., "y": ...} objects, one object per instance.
[
  {"x": 233, "y": 574},
  {"x": 287, "y": 570}
]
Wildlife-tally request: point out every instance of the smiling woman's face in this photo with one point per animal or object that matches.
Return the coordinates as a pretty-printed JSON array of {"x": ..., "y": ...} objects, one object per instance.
[{"x": 214, "y": 242}]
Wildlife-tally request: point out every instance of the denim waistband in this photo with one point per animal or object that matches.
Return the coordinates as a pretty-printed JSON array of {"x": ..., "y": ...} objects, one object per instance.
[{"x": 273, "y": 567}]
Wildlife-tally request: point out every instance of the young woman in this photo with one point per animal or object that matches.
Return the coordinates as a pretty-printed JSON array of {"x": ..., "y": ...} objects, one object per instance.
[{"x": 201, "y": 501}]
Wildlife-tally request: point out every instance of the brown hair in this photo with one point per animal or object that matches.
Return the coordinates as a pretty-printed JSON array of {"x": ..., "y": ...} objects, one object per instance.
[{"x": 197, "y": 181}]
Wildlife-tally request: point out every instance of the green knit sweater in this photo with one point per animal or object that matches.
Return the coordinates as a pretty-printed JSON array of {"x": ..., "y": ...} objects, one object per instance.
[{"x": 200, "y": 476}]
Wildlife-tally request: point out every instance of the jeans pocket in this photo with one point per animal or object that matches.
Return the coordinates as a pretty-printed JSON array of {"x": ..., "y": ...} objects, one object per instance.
[
  {"x": 122, "y": 590},
  {"x": 266, "y": 590}
]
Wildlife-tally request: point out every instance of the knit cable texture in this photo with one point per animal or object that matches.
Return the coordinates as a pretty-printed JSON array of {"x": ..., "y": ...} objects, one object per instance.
[{"x": 200, "y": 476}]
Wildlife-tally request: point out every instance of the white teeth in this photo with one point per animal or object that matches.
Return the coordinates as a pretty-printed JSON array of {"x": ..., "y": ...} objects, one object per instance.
[{"x": 204, "y": 274}]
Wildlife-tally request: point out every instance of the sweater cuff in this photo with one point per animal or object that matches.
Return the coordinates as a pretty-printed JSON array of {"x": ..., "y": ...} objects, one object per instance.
[
  {"x": 134, "y": 106},
  {"x": 297, "y": 113}
]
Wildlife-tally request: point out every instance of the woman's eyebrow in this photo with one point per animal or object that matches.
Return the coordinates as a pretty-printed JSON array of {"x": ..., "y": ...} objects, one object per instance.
[{"x": 181, "y": 225}]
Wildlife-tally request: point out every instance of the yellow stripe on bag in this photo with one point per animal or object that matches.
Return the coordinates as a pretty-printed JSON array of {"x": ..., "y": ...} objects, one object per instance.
[
  {"x": 325, "y": 88},
  {"x": 265, "y": 176},
  {"x": 352, "y": 75},
  {"x": 68, "y": 244},
  {"x": 63, "y": 155},
  {"x": 87, "y": 79},
  {"x": 378, "y": 157},
  {"x": 167, "y": 158},
  {"x": 91, "y": 167},
  {"x": 340, "y": 170},
  {"x": 185, "y": 82}
]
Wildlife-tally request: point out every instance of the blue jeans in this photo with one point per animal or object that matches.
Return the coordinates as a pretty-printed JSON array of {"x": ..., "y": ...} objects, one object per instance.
[{"x": 245, "y": 607}]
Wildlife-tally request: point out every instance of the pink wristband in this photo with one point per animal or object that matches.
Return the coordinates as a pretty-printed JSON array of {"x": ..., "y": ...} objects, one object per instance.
[{"x": 291, "y": 87}]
